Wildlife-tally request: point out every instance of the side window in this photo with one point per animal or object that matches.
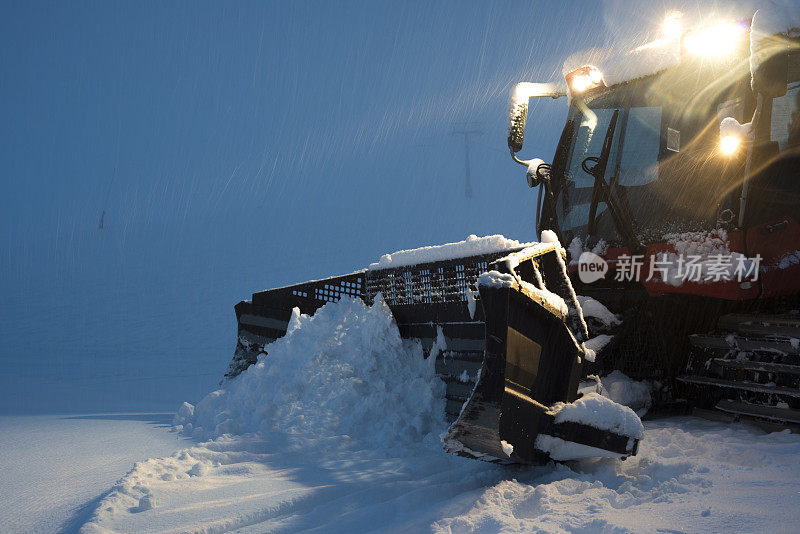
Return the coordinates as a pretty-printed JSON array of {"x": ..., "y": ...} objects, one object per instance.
[
  {"x": 785, "y": 126},
  {"x": 638, "y": 163}
]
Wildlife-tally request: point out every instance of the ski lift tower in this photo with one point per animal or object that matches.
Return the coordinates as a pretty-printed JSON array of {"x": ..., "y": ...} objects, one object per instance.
[{"x": 466, "y": 129}]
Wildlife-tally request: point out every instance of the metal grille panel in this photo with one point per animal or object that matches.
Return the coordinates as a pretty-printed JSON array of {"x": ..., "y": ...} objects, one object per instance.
[{"x": 442, "y": 281}]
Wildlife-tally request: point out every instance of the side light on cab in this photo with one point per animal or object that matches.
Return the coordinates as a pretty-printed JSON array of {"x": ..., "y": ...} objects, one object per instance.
[
  {"x": 729, "y": 144},
  {"x": 583, "y": 79}
]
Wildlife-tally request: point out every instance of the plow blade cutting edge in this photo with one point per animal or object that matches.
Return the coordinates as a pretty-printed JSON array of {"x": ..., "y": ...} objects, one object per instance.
[{"x": 507, "y": 334}]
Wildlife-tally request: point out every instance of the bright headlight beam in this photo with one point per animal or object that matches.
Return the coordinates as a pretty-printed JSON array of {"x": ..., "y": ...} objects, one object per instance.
[
  {"x": 673, "y": 27},
  {"x": 715, "y": 41},
  {"x": 581, "y": 82},
  {"x": 729, "y": 144},
  {"x": 583, "y": 79}
]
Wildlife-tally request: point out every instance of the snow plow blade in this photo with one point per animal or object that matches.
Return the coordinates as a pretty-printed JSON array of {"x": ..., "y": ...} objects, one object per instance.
[
  {"x": 505, "y": 329},
  {"x": 532, "y": 361}
]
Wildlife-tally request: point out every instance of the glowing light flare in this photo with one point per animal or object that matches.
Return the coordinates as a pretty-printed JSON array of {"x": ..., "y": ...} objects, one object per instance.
[
  {"x": 673, "y": 26},
  {"x": 730, "y": 144},
  {"x": 584, "y": 78},
  {"x": 715, "y": 41},
  {"x": 581, "y": 83}
]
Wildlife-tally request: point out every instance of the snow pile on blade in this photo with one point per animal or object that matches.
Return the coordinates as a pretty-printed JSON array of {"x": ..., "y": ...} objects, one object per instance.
[
  {"x": 600, "y": 412},
  {"x": 617, "y": 386},
  {"x": 344, "y": 375},
  {"x": 472, "y": 246}
]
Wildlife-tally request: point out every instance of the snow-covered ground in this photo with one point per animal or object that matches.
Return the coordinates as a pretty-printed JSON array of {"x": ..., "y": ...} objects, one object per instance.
[
  {"x": 54, "y": 469},
  {"x": 691, "y": 475},
  {"x": 338, "y": 430}
]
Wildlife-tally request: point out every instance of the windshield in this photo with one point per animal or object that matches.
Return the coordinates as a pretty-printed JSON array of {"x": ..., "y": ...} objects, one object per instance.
[
  {"x": 632, "y": 159},
  {"x": 664, "y": 171}
]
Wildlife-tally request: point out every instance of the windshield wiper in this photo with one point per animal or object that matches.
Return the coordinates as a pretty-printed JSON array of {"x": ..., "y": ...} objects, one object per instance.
[{"x": 601, "y": 189}]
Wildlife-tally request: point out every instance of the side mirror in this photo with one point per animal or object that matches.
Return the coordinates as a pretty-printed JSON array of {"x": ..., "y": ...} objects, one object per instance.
[
  {"x": 518, "y": 108},
  {"x": 517, "y": 115}
]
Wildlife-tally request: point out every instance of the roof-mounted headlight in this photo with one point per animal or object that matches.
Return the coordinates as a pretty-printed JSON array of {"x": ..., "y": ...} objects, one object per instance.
[
  {"x": 717, "y": 41},
  {"x": 583, "y": 79}
]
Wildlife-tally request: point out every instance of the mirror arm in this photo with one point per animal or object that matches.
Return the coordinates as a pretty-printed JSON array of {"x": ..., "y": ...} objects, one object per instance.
[
  {"x": 551, "y": 205},
  {"x": 515, "y": 158}
]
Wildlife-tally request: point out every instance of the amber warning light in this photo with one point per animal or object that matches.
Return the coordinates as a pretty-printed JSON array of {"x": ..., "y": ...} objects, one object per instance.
[{"x": 583, "y": 79}]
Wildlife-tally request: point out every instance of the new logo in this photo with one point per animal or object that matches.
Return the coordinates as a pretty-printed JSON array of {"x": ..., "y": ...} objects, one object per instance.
[{"x": 591, "y": 267}]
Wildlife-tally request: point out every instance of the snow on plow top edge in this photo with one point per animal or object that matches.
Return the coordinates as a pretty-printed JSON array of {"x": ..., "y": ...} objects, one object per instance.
[
  {"x": 471, "y": 246},
  {"x": 602, "y": 413}
]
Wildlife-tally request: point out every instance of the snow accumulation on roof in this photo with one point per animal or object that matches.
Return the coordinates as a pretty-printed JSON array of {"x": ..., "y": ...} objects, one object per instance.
[
  {"x": 631, "y": 58},
  {"x": 640, "y": 62},
  {"x": 471, "y": 246}
]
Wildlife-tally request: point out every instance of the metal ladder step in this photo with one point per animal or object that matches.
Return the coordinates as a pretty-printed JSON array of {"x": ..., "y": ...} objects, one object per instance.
[
  {"x": 747, "y": 344},
  {"x": 734, "y": 384},
  {"x": 772, "y": 413},
  {"x": 761, "y": 367},
  {"x": 765, "y": 325}
]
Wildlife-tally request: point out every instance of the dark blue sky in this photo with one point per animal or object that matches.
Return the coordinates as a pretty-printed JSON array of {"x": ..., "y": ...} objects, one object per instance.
[{"x": 250, "y": 145}]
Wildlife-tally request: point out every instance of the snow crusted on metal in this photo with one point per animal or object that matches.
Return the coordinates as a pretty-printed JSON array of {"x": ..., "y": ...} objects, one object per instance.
[
  {"x": 471, "y": 246},
  {"x": 496, "y": 279},
  {"x": 595, "y": 410},
  {"x": 561, "y": 450}
]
